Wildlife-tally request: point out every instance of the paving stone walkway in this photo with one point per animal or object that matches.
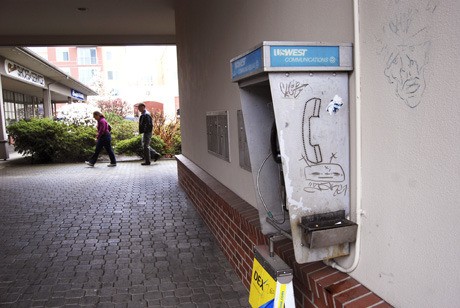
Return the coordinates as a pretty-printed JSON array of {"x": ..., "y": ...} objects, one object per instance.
[{"x": 76, "y": 236}]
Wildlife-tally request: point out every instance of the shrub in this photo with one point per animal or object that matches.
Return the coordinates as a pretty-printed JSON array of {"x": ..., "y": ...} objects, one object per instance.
[
  {"x": 50, "y": 141},
  {"x": 113, "y": 118},
  {"x": 169, "y": 131},
  {"x": 56, "y": 141},
  {"x": 177, "y": 143},
  {"x": 130, "y": 146},
  {"x": 133, "y": 146},
  {"x": 123, "y": 130},
  {"x": 78, "y": 144}
]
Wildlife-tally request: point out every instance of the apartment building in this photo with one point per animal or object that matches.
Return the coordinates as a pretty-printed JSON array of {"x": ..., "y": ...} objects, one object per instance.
[{"x": 132, "y": 73}]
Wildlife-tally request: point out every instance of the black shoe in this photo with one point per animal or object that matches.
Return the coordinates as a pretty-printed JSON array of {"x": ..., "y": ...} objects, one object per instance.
[
  {"x": 156, "y": 156},
  {"x": 145, "y": 164}
]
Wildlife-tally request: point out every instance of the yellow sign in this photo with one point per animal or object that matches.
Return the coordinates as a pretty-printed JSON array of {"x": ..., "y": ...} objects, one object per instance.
[
  {"x": 265, "y": 292},
  {"x": 263, "y": 287}
]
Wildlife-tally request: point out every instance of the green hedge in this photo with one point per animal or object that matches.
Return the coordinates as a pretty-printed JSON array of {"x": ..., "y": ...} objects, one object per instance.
[
  {"x": 123, "y": 130},
  {"x": 133, "y": 146},
  {"x": 50, "y": 141},
  {"x": 46, "y": 140}
]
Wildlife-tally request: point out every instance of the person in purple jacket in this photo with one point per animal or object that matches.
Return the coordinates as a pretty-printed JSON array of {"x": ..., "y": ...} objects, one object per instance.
[{"x": 104, "y": 140}]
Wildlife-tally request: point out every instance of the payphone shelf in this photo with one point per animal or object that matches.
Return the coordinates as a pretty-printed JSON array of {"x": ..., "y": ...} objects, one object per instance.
[{"x": 328, "y": 229}]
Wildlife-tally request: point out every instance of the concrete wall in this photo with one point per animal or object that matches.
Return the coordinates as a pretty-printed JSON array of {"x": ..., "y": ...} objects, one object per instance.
[
  {"x": 410, "y": 128},
  {"x": 408, "y": 123},
  {"x": 211, "y": 33}
]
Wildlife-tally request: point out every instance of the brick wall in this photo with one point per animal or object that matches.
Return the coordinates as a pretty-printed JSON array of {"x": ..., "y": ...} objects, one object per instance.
[{"x": 236, "y": 226}]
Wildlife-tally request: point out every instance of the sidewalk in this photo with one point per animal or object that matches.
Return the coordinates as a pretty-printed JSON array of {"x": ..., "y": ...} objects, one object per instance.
[{"x": 72, "y": 235}]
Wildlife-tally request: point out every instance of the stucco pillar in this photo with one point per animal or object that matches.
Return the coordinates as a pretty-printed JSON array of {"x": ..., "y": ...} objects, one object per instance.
[
  {"x": 4, "y": 154},
  {"x": 47, "y": 110}
]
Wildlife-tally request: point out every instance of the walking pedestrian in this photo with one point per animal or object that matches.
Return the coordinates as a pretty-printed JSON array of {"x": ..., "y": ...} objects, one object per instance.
[
  {"x": 103, "y": 140},
  {"x": 146, "y": 128}
]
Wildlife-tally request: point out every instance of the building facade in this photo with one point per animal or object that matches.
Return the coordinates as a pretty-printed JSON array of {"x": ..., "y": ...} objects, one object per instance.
[
  {"x": 132, "y": 73},
  {"x": 82, "y": 63},
  {"x": 32, "y": 87}
]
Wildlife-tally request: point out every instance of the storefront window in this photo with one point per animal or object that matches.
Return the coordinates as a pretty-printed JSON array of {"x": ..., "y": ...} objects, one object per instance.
[
  {"x": 10, "y": 113},
  {"x": 19, "y": 106},
  {"x": 20, "y": 112}
]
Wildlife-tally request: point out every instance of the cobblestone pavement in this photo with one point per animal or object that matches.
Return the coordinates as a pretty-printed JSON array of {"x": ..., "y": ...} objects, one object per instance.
[{"x": 73, "y": 236}]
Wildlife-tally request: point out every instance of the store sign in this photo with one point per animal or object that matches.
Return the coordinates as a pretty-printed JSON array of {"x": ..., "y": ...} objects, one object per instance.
[
  {"x": 24, "y": 74},
  {"x": 77, "y": 95}
]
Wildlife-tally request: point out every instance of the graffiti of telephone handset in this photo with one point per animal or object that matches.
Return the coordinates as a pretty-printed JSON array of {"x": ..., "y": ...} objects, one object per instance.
[{"x": 311, "y": 110}]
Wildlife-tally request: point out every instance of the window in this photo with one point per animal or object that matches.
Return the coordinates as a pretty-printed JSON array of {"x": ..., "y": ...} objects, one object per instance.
[
  {"x": 62, "y": 54},
  {"x": 110, "y": 75},
  {"x": 86, "y": 56},
  {"x": 19, "y": 106},
  {"x": 10, "y": 113},
  {"x": 86, "y": 74}
]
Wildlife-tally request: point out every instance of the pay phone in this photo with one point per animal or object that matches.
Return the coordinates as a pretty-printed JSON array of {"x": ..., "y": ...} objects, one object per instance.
[{"x": 295, "y": 104}]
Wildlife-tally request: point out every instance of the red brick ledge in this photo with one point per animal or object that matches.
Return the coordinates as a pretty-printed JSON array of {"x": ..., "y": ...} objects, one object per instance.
[{"x": 236, "y": 226}]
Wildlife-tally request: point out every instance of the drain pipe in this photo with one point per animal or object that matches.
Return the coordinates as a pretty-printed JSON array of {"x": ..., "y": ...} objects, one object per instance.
[{"x": 359, "y": 211}]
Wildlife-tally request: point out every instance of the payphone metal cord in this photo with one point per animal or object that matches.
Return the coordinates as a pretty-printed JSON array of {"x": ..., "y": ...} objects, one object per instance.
[{"x": 270, "y": 214}]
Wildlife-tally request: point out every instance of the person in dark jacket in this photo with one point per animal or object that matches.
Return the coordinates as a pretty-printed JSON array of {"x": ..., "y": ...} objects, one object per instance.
[
  {"x": 104, "y": 140},
  {"x": 146, "y": 128}
]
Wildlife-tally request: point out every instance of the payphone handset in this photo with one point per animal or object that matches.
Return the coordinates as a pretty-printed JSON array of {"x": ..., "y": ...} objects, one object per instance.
[{"x": 307, "y": 84}]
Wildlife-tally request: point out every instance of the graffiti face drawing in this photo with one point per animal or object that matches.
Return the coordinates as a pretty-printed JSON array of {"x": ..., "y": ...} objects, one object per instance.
[
  {"x": 405, "y": 70},
  {"x": 405, "y": 46}
]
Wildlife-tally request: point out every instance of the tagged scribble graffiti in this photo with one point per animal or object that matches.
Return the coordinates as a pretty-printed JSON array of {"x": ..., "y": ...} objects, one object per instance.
[
  {"x": 406, "y": 47},
  {"x": 320, "y": 176},
  {"x": 325, "y": 177},
  {"x": 292, "y": 89}
]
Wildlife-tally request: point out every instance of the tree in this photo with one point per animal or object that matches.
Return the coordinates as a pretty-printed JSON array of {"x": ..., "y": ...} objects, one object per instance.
[
  {"x": 116, "y": 106},
  {"x": 169, "y": 131},
  {"x": 77, "y": 114}
]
